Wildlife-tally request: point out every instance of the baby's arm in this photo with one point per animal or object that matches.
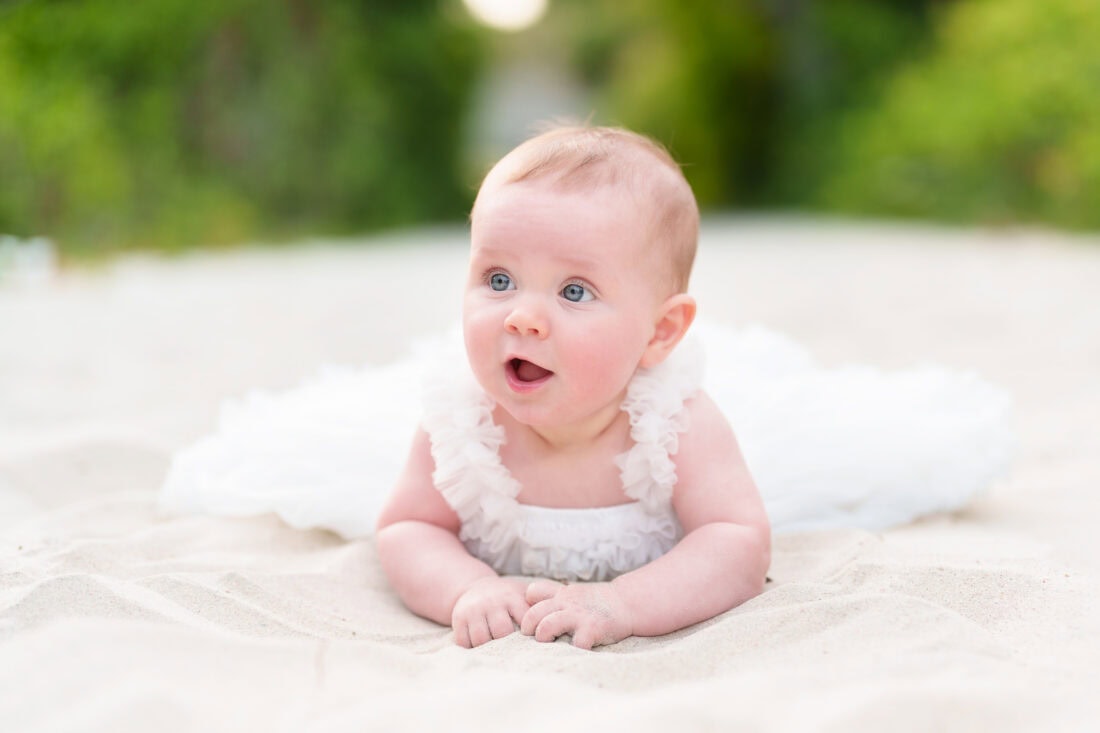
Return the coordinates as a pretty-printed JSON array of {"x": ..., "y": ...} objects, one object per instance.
[
  {"x": 429, "y": 567},
  {"x": 720, "y": 563}
]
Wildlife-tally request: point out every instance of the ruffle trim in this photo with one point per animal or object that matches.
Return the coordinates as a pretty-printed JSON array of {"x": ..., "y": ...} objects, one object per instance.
[
  {"x": 655, "y": 402},
  {"x": 470, "y": 475},
  {"x": 458, "y": 417}
]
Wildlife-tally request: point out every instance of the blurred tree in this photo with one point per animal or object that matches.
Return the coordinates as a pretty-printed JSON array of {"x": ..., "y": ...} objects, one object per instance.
[
  {"x": 182, "y": 122},
  {"x": 835, "y": 56},
  {"x": 744, "y": 92},
  {"x": 999, "y": 122},
  {"x": 699, "y": 76}
]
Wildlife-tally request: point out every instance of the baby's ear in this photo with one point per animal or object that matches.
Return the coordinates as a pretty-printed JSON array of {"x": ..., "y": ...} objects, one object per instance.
[{"x": 673, "y": 320}]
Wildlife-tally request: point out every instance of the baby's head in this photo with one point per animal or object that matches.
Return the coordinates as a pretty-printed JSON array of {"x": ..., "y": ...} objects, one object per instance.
[
  {"x": 619, "y": 163},
  {"x": 581, "y": 245}
]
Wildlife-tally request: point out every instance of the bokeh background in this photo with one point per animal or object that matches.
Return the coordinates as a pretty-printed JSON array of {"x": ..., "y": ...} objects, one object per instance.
[{"x": 172, "y": 124}]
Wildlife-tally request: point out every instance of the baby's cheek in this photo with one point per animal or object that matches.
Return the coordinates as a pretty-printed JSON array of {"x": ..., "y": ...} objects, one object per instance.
[
  {"x": 479, "y": 345},
  {"x": 609, "y": 369}
]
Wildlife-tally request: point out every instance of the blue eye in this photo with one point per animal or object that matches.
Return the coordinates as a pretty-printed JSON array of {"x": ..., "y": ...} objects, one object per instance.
[
  {"x": 500, "y": 282},
  {"x": 576, "y": 293}
]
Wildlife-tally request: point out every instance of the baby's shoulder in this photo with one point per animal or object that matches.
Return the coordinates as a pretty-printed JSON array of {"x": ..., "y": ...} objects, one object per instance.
[
  {"x": 704, "y": 414},
  {"x": 707, "y": 442},
  {"x": 713, "y": 481}
]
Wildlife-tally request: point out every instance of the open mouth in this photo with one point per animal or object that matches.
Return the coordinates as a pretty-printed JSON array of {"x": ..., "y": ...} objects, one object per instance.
[{"x": 526, "y": 372}]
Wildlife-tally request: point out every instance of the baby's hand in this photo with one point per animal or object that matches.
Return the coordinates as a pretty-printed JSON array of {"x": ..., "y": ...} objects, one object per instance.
[
  {"x": 593, "y": 613},
  {"x": 489, "y": 609}
]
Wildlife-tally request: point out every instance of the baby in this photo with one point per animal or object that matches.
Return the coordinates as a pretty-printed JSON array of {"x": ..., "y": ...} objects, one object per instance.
[{"x": 584, "y": 451}]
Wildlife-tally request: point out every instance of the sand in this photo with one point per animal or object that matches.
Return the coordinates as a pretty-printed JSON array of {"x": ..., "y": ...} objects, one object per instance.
[{"x": 114, "y": 617}]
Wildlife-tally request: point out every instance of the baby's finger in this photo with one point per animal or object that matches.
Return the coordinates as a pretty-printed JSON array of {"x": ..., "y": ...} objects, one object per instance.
[
  {"x": 517, "y": 608},
  {"x": 540, "y": 590},
  {"x": 534, "y": 616},
  {"x": 462, "y": 635},
  {"x": 479, "y": 631},
  {"x": 554, "y": 625},
  {"x": 500, "y": 623},
  {"x": 584, "y": 637}
]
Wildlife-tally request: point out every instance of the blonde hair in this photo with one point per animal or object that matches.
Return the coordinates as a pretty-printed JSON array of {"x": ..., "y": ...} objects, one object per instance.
[{"x": 585, "y": 158}]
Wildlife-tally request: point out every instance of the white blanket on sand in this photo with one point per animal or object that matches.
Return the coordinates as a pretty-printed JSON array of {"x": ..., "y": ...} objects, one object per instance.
[{"x": 114, "y": 616}]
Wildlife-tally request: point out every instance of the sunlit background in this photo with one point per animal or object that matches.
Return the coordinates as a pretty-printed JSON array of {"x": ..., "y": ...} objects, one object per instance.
[{"x": 172, "y": 124}]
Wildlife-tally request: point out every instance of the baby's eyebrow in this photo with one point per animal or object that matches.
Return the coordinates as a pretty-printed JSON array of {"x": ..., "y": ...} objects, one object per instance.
[
  {"x": 489, "y": 253},
  {"x": 581, "y": 263}
]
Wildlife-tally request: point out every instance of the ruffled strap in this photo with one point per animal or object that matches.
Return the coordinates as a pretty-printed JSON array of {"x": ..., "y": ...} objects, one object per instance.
[
  {"x": 465, "y": 443},
  {"x": 655, "y": 402}
]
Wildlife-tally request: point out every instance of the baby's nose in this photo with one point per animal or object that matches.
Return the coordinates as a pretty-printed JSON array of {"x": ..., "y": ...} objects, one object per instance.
[{"x": 527, "y": 320}]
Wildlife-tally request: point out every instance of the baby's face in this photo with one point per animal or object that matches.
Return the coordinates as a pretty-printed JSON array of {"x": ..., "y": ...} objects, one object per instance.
[{"x": 561, "y": 301}]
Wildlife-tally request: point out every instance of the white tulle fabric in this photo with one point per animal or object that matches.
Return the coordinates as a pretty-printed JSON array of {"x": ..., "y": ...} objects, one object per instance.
[
  {"x": 564, "y": 544},
  {"x": 855, "y": 446},
  {"x": 843, "y": 447}
]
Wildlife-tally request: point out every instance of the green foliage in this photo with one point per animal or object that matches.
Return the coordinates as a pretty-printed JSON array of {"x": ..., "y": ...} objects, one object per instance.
[
  {"x": 182, "y": 122},
  {"x": 698, "y": 76},
  {"x": 999, "y": 122},
  {"x": 836, "y": 55},
  {"x": 742, "y": 92},
  {"x": 968, "y": 110}
]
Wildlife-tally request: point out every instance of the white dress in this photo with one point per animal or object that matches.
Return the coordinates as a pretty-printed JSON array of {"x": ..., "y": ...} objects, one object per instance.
[
  {"x": 828, "y": 448},
  {"x": 564, "y": 544}
]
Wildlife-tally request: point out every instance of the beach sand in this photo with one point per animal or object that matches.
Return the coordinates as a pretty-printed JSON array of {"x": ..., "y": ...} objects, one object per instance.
[{"x": 114, "y": 617}]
